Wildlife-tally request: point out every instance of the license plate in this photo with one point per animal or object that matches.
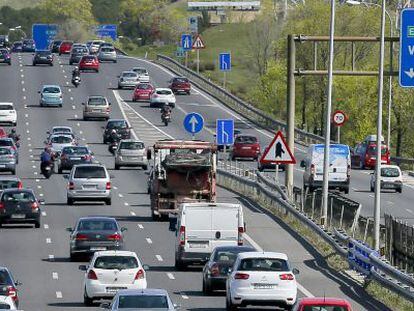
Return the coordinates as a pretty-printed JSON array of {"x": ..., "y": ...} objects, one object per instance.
[
  {"x": 89, "y": 186},
  {"x": 2, "y": 165},
  {"x": 18, "y": 216},
  {"x": 195, "y": 245},
  {"x": 113, "y": 290},
  {"x": 245, "y": 148},
  {"x": 98, "y": 248},
  {"x": 75, "y": 159},
  {"x": 263, "y": 286},
  {"x": 388, "y": 186}
]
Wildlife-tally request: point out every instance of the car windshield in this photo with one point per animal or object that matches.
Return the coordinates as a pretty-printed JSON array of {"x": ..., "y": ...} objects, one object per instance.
[
  {"x": 90, "y": 172},
  {"x": 227, "y": 256},
  {"x": 164, "y": 92},
  {"x": 264, "y": 264},
  {"x": 4, "y": 151},
  {"x": 97, "y": 225},
  {"x": 79, "y": 50},
  {"x": 140, "y": 70},
  {"x": 97, "y": 101},
  {"x": 180, "y": 80},
  {"x": 62, "y": 130},
  {"x": 75, "y": 150},
  {"x": 116, "y": 124},
  {"x": 129, "y": 74},
  {"x": 116, "y": 262},
  {"x": 144, "y": 86},
  {"x": 324, "y": 308},
  {"x": 7, "y": 184},
  {"x": 390, "y": 172},
  {"x": 6, "y": 107},
  {"x": 61, "y": 140},
  {"x": 131, "y": 145},
  {"x": 143, "y": 302},
  {"x": 373, "y": 150},
  {"x": 246, "y": 140},
  {"x": 18, "y": 197},
  {"x": 51, "y": 90},
  {"x": 6, "y": 142}
]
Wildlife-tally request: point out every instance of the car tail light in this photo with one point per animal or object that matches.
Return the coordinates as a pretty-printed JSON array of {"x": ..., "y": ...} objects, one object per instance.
[
  {"x": 240, "y": 236},
  {"x": 81, "y": 237},
  {"x": 92, "y": 275},
  {"x": 71, "y": 186},
  {"x": 348, "y": 171},
  {"x": 35, "y": 206},
  {"x": 286, "y": 277},
  {"x": 108, "y": 185},
  {"x": 114, "y": 237},
  {"x": 11, "y": 292},
  {"x": 241, "y": 276},
  {"x": 214, "y": 270},
  {"x": 312, "y": 169},
  {"x": 182, "y": 235},
  {"x": 87, "y": 157},
  {"x": 2, "y": 207},
  {"x": 19, "y": 185},
  {"x": 140, "y": 275},
  {"x": 108, "y": 109}
]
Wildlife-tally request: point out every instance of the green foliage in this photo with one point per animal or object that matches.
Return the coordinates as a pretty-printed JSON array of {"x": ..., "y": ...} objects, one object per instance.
[
  {"x": 58, "y": 11},
  {"x": 105, "y": 11}
]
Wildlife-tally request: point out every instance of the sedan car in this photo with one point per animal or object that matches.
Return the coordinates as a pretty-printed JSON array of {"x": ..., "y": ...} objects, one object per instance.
[
  {"x": 28, "y": 46},
  {"x": 261, "y": 278},
  {"x": 110, "y": 271},
  {"x": 143, "y": 299},
  {"x": 19, "y": 206},
  {"x": 65, "y": 47},
  {"x": 89, "y": 62},
  {"x": 322, "y": 303},
  {"x": 391, "y": 178},
  {"x": 77, "y": 53},
  {"x": 89, "y": 182},
  {"x": 162, "y": 96},
  {"x": 10, "y": 182},
  {"x": 8, "y": 287},
  {"x": 143, "y": 74},
  {"x": 93, "y": 234},
  {"x": 97, "y": 106},
  {"x": 8, "y": 114},
  {"x": 131, "y": 153},
  {"x": 107, "y": 54},
  {"x": 245, "y": 146},
  {"x": 17, "y": 46},
  {"x": 43, "y": 57},
  {"x": 121, "y": 126},
  {"x": 7, "y": 303},
  {"x": 217, "y": 269},
  {"x": 59, "y": 141},
  {"x": 51, "y": 95},
  {"x": 180, "y": 85},
  {"x": 5, "y": 56},
  {"x": 8, "y": 160},
  {"x": 74, "y": 155},
  {"x": 142, "y": 91},
  {"x": 128, "y": 79}
]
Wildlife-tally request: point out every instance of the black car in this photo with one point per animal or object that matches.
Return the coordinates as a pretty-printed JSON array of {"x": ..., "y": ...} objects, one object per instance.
[
  {"x": 121, "y": 127},
  {"x": 8, "y": 286},
  {"x": 5, "y": 56},
  {"x": 217, "y": 268},
  {"x": 28, "y": 45},
  {"x": 76, "y": 54},
  {"x": 17, "y": 46},
  {"x": 4, "y": 41},
  {"x": 93, "y": 234},
  {"x": 19, "y": 206},
  {"x": 73, "y": 155},
  {"x": 43, "y": 57},
  {"x": 54, "y": 46}
]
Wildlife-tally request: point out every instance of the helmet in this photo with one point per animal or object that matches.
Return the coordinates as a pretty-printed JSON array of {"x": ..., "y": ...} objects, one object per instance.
[
  {"x": 13, "y": 131},
  {"x": 113, "y": 131},
  {"x": 76, "y": 68},
  {"x": 47, "y": 149}
]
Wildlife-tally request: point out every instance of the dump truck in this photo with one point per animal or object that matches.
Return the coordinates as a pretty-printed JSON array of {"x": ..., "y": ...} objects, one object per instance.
[{"x": 181, "y": 171}]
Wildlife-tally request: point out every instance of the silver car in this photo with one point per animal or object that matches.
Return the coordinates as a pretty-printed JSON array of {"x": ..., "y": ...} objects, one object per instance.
[
  {"x": 131, "y": 152},
  {"x": 143, "y": 74},
  {"x": 7, "y": 160},
  {"x": 89, "y": 182},
  {"x": 128, "y": 79},
  {"x": 97, "y": 106},
  {"x": 107, "y": 54}
]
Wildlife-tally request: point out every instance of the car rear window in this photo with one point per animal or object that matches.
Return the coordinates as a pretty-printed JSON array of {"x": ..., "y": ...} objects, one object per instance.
[
  {"x": 373, "y": 150},
  {"x": 227, "y": 256},
  {"x": 6, "y": 107},
  {"x": 129, "y": 74},
  {"x": 5, "y": 143},
  {"x": 61, "y": 140},
  {"x": 79, "y": 50},
  {"x": 324, "y": 308},
  {"x": 164, "y": 92},
  {"x": 97, "y": 225},
  {"x": 61, "y": 130},
  {"x": 88, "y": 58},
  {"x": 97, "y": 101},
  {"x": 18, "y": 197},
  {"x": 116, "y": 124},
  {"x": 143, "y": 302},
  {"x": 5, "y": 278},
  {"x": 8, "y": 184},
  {"x": 108, "y": 49},
  {"x": 75, "y": 150},
  {"x": 52, "y": 90},
  {"x": 264, "y": 264},
  {"x": 132, "y": 145},
  {"x": 246, "y": 140},
  {"x": 180, "y": 80},
  {"x": 390, "y": 172},
  {"x": 116, "y": 262},
  {"x": 43, "y": 53},
  {"x": 144, "y": 86},
  {"x": 90, "y": 172}
]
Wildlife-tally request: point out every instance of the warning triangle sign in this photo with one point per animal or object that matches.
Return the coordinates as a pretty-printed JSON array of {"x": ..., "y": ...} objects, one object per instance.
[
  {"x": 198, "y": 43},
  {"x": 278, "y": 152}
]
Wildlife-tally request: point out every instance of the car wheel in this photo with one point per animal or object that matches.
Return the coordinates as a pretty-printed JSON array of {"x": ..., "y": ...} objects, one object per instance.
[
  {"x": 189, "y": 93},
  {"x": 13, "y": 172},
  {"x": 60, "y": 170},
  {"x": 97, "y": 70},
  {"x": 105, "y": 141},
  {"x": 346, "y": 190},
  {"x": 179, "y": 265},
  {"x": 399, "y": 190},
  {"x": 34, "y": 64},
  {"x": 145, "y": 167},
  {"x": 115, "y": 61},
  {"x": 289, "y": 308},
  {"x": 9, "y": 63},
  {"x": 60, "y": 105},
  {"x": 207, "y": 288},
  {"x": 70, "y": 201},
  {"x": 229, "y": 305},
  {"x": 51, "y": 64},
  {"x": 116, "y": 167},
  {"x": 108, "y": 201},
  {"x": 37, "y": 224},
  {"x": 73, "y": 257},
  {"x": 86, "y": 300}
]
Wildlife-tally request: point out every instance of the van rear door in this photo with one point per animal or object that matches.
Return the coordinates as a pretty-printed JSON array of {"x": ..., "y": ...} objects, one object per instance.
[
  {"x": 225, "y": 225},
  {"x": 198, "y": 228}
]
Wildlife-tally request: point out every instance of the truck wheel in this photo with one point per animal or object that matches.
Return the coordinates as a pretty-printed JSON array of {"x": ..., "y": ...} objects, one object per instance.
[
  {"x": 70, "y": 201},
  {"x": 108, "y": 201},
  {"x": 346, "y": 190},
  {"x": 179, "y": 265}
]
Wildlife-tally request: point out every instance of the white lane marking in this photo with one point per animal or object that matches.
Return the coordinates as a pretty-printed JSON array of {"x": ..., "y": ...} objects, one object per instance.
[
  {"x": 140, "y": 226},
  {"x": 24, "y": 97},
  {"x": 34, "y": 173},
  {"x": 390, "y": 203},
  {"x": 22, "y": 81},
  {"x": 27, "y": 131},
  {"x": 63, "y": 71},
  {"x": 120, "y": 195},
  {"x": 67, "y": 83},
  {"x": 33, "y": 166},
  {"x": 51, "y": 257},
  {"x": 27, "y": 123},
  {"x": 149, "y": 241},
  {"x": 371, "y": 195},
  {"x": 23, "y": 89},
  {"x": 304, "y": 290},
  {"x": 133, "y": 213},
  {"x": 55, "y": 276},
  {"x": 71, "y": 98},
  {"x": 29, "y": 145},
  {"x": 37, "y": 180},
  {"x": 21, "y": 70},
  {"x": 73, "y": 107},
  {"x": 59, "y": 295},
  {"x": 22, "y": 75},
  {"x": 65, "y": 76},
  {"x": 184, "y": 296},
  {"x": 76, "y": 116},
  {"x": 80, "y": 132},
  {"x": 46, "y": 226},
  {"x": 26, "y": 115},
  {"x": 170, "y": 276},
  {"x": 159, "y": 258},
  {"x": 115, "y": 187},
  {"x": 69, "y": 90},
  {"x": 126, "y": 203},
  {"x": 48, "y": 240},
  {"x": 78, "y": 124},
  {"x": 28, "y": 138},
  {"x": 39, "y": 186},
  {"x": 44, "y": 213},
  {"x": 41, "y": 194},
  {"x": 409, "y": 211}
]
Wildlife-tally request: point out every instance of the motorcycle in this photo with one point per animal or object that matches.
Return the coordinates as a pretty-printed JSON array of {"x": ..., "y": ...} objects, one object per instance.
[
  {"x": 166, "y": 118},
  {"x": 76, "y": 81},
  {"x": 113, "y": 146},
  {"x": 48, "y": 169}
]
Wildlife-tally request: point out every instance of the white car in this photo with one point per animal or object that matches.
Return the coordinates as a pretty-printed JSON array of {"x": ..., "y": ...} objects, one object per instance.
[
  {"x": 58, "y": 141},
  {"x": 94, "y": 47},
  {"x": 162, "y": 96},
  {"x": 7, "y": 303},
  {"x": 8, "y": 114},
  {"x": 261, "y": 278},
  {"x": 60, "y": 129},
  {"x": 110, "y": 271},
  {"x": 143, "y": 74},
  {"x": 391, "y": 178}
]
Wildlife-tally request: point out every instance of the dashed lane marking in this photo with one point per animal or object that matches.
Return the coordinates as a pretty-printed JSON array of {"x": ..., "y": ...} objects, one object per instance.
[
  {"x": 140, "y": 226},
  {"x": 149, "y": 241},
  {"x": 48, "y": 240},
  {"x": 44, "y": 213},
  {"x": 184, "y": 296},
  {"x": 126, "y": 203},
  {"x": 59, "y": 295},
  {"x": 120, "y": 195},
  {"x": 170, "y": 276},
  {"x": 46, "y": 226},
  {"x": 55, "y": 276},
  {"x": 51, "y": 257},
  {"x": 159, "y": 258},
  {"x": 133, "y": 213}
]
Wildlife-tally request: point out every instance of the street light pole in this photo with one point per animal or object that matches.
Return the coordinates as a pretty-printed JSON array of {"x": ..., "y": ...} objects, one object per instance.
[{"x": 325, "y": 188}]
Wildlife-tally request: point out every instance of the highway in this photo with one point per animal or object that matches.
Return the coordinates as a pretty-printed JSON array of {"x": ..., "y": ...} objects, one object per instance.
[{"x": 39, "y": 258}]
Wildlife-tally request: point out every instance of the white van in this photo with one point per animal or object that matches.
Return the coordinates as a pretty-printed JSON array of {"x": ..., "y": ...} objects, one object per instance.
[
  {"x": 201, "y": 227},
  {"x": 339, "y": 167}
]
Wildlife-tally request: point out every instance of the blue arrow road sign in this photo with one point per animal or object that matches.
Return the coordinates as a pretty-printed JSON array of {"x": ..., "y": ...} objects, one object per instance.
[
  {"x": 225, "y": 61},
  {"x": 193, "y": 122},
  {"x": 225, "y": 132},
  {"x": 407, "y": 48},
  {"x": 186, "y": 42}
]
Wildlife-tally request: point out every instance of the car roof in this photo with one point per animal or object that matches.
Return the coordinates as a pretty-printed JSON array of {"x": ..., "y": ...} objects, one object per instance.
[
  {"x": 6, "y": 103},
  {"x": 61, "y": 127},
  {"x": 116, "y": 120},
  {"x": 115, "y": 253},
  {"x": 324, "y": 301},
  {"x": 129, "y": 71},
  {"x": 146, "y": 291},
  {"x": 97, "y": 218},
  {"x": 132, "y": 140},
  {"x": 263, "y": 255},
  {"x": 61, "y": 134},
  {"x": 50, "y": 85},
  {"x": 90, "y": 164},
  {"x": 96, "y": 96},
  {"x": 18, "y": 190},
  {"x": 234, "y": 247},
  {"x": 389, "y": 166}
]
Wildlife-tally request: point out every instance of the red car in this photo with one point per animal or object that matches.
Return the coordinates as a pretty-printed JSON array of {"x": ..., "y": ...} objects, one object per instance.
[
  {"x": 180, "y": 85},
  {"x": 246, "y": 146},
  {"x": 334, "y": 304},
  {"x": 65, "y": 47},
  {"x": 89, "y": 62},
  {"x": 365, "y": 155},
  {"x": 142, "y": 91},
  {"x": 3, "y": 133}
]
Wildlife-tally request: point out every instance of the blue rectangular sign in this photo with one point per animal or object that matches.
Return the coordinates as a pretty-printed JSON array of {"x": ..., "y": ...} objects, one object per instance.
[
  {"x": 43, "y": 35},
  {"x": 407, "y": 48},
  {"x": 109, "y": 31},
  {"x": 225, "y": 61},
  {"x": 225, "y": 132},
  {"x": 186, "y": 42}
]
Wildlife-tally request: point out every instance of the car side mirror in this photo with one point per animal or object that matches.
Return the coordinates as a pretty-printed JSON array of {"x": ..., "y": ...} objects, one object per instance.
[
  {"x": 69, "y": 229},
  {"x": 103, "y": 127},
  {"x": 123, "y": 229},
  {"x": 105, "y": 305},
  {"x": 149, "y": 154},
  {"x": 92, "y": 153},
  {"x": 48, "y": 132},
  {"x": 173, "y": 224},
  {"x": 295, "y": 271},
  {"x": 109, "y": 104},
  {"x": 41, "y": 201},
  {"x": 83, "y": 267},
  {"x": 303, "y": 163}
]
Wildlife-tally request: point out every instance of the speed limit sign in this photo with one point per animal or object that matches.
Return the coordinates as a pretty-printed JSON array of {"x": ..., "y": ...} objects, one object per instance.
[{"x": 339, "y": 118}]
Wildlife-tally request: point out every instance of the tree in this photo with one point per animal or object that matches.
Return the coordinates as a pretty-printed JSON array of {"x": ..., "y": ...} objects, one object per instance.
[{"x": 58, "y": 11}]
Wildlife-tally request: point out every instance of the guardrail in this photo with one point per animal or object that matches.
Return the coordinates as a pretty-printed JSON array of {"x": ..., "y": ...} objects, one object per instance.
[{"x": 358, "y": 254}]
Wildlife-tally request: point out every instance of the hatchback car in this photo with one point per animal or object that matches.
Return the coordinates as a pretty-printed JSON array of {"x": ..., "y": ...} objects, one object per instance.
[
  {"x": 143, "y": 299},
  {"x": 17, "y": 47},
  {"x": 322, "y": 303},
  {"x": 10, "y": 182},
  {"x": 121, "y": 127},
  {"x": 59, "y": 141},
  {"x": 162, "y": 96},
  {"x": 261, "y": 278},
  {"x": 128, "y": 79},
  {"x": 110, "y": 271},
  {"x": 142, "y": 91},
  {"x": 143, "y": 74},
  {"x": 131, "y": 153},
  {"x": 28, "y": 46},
  {"x": 8, "y": 114},
  {"x": 245, "y": 146},
  {"x": 60, "y": 129},
  {"x": 93, "y": 233},
  {"x": 77, "y": 53},
  {"x": 97, "y": 106},
  {"x": 54, "y": 46},
  {"x": 8, "y": 287},
  {"x": 217, "y": 269},
  {"x": 74, "y": 155},
  {"x": 89, "y": 182},
  {"x": 51, "y": 95},
  {"x": 107, "y": 54},
  {"x": 89, "y": 62},
  {"x": 10, "y": 144},
  {"x": 8, "y": 160},
  {"x": 5, "y": 56},
  {"x": 43, "y": 57},
  {"x": 19, "y": 206},
  {"x": 180, "y": 85},
  {"x": 65, "y": 47},
  {"x": 391, "y": 178}
]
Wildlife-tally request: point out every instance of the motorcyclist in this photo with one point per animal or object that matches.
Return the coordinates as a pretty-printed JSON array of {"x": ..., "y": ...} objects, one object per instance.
[
  {"x": 45, "y": 158},
  {"x": 13, "y": 135},
  {"x": 75, "y": 72},
  {"x": 113, "y": 137},
  {"x": 165, "y": 110}
]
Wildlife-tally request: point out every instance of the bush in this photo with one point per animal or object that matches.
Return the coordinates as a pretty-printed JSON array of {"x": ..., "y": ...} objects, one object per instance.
[{"x": 210, "y": 66}]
